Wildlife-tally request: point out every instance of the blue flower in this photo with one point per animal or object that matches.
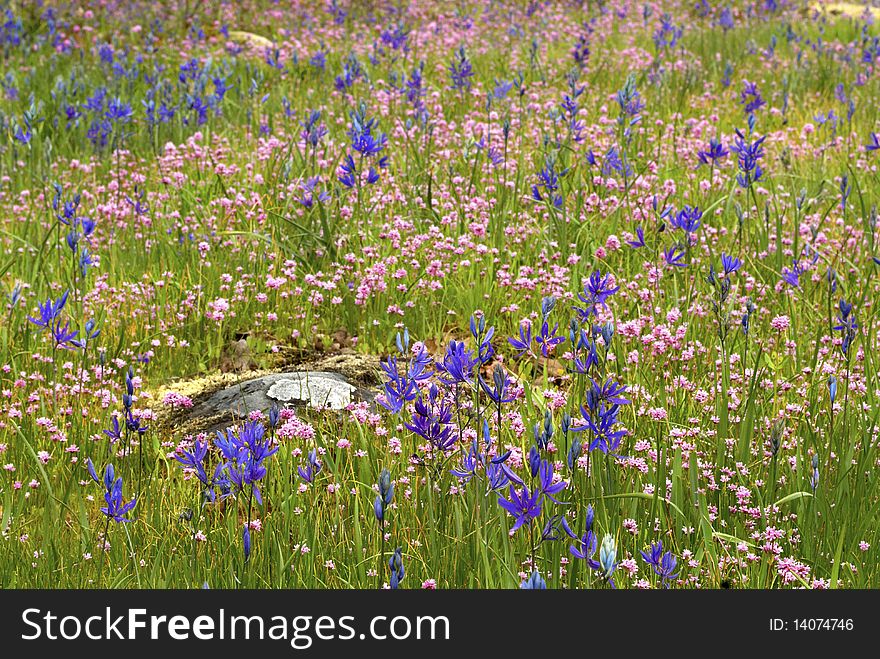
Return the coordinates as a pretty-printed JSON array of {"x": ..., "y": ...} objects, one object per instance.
[
  {"x": 548, "y": 488},
  {"x": 396, "y": 566},
  {"x": 548, "y": 179},
  {"x": 116, "y": 508},
  {"x": 587, "y": 543},
  {"x": 432, "y": 422},
  {"x": 688, "y": 219},
  {"x": 312, "y": 129},
  {"x": 791, "y": 276},
  {"x": 363, "y": 139},
  {"x": 386, "y": 495},
  {"x": 601, "y": 421},
  {"x": 730, "y": 264},
  {"x": 597, "y": 290},
  {"x": 663, "y": 563},
  {"x": 749, "y": 153},
  {"x": 613, "y": 162},
  {"x": 246, "y": 451},
  {"x": 674, "y": 256},
  {"x": 524, "y": 343},
  {"x": 497, "y": 394},
  {"x": 49, "y": 311},
  {"x": 610, "y": 392},
  {"x": 534, "y": 582},
  {"x": 193, "y": 459},
  {"x": 547, "y": 339},
  {"x": 847, "y": 324},
  {"x": 483, "y": 337},
  {"x": 668, "y": 34},
  {"x": 312, "y": 468},
  {"x": 523, "y": 506},
  {"x": 246, "y": 542},
  {"x": 461, "y": 71},
  {"x": 458, "y": 364},
  {"x": 640, "y": 239},
  {"x": 750, "y": 98}
]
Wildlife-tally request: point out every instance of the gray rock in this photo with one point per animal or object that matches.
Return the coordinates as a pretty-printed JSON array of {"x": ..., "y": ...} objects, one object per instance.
[
  {"x": 300, "y": 388},
  {"x": 317, "y": 389}
]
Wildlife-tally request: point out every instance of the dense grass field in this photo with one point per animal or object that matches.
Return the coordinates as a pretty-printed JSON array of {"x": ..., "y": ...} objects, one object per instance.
[{"x": 615, "y": 263}]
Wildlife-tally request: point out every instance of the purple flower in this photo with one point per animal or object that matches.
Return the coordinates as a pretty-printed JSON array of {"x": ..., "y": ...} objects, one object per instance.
[
  {"x": 547, "y": 339},
  {"x": 791, "y": 276},
  {"x": 548, "y": 488},
  {"x": 432, "y": 422},
  {"x": 688, "y": 219},
  {"x": 461, "y": 71},
  {"x": 116, "y": 508},
  {"x": 246, "y": 542},
  {"x": 395, "y": 564},
  {"x": 713, "y": 153},
  {"x": 524, "y": 343},
  {"x": 664, "y": 563},
  {"x": 640, "y": 239},
  {"x": 523, "y": 506},
  {"x": 730, "y": 264},
  {"x": 497, "y": 394},
  {"x": 458, "y": 364},
  {"x": 674, "y": 256},
  {"x": 597, "y": 290},
  {"x": 534, "y": 582},
  {"x": 49, "y": 311},
  {"x": 750, "y": 98},
  {"x": 749, "y": 153},
  {"x": 313, "y": 466},
  {"x": 386, "y": 495}
]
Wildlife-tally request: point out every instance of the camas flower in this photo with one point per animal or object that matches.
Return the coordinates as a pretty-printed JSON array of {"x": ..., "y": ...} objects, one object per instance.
[
  {"x": 664, "y": 563},
  {"x": 117, "y": 508},
  {"x": 432, "y": 421},
  {"x": 498, "y": 393},
  {"x": 674, "y": 256},
  {"x": 597, "y": 290},
  {"x": 458, "y": 364},
  {"x": 246, "y": 450},
  {"x": 688, "y": 219},
  {"x": 534, "y": 582},
  {"x": 750, "y": 98},
  {"x": 461, "y": 71},
  {"x": 386, "y": 495},
  {"x": 395, "y": 564},
  {"x": 548, "y": 339},
  {"x": 640, "y": 239},
  {"x": 749, "y": 153},
  {"x": 610, "y": 392},
  {"x": 312, "y": 468},
  {"x": 714, "y": 152},
  {"x": 730, "y": 264},
  {"x": 49, "y": 311},
  {"x": 524, "y": 343},
  {"x": 524, "y": 506}
]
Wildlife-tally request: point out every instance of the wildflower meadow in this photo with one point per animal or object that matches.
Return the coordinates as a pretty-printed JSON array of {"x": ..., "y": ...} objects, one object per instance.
[{"x": 607, "y": 269}]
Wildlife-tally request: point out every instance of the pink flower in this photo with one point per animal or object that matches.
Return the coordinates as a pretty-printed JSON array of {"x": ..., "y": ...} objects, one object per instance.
[
  {"x": 175, "y": 399},
  {"x": 780, "y": 323}
]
